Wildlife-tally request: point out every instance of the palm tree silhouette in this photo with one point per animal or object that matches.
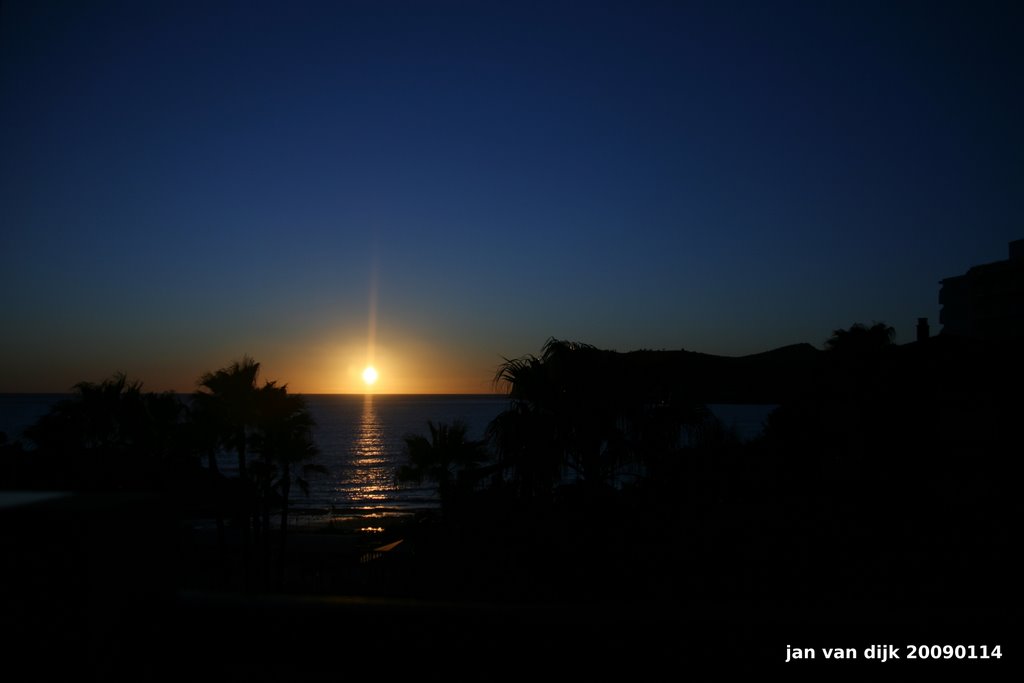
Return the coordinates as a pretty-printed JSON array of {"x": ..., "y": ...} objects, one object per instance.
[
  {"x": 564, "y": 416},
  {"x": 582, "y": 410},
  {"x": 448, "y": 458},
  {"x": 204, "y": 437},
  {"x": 228, "y": 397},
  {"x": 226, "y": 401},
  {"x": 524, "y": 436},
  {"x": 110, "y": 435},
  {"x": 284, "y": 442}
]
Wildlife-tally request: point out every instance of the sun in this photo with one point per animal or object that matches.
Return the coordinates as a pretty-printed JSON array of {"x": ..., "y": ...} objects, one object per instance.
[{"x": 370, "y": 375}]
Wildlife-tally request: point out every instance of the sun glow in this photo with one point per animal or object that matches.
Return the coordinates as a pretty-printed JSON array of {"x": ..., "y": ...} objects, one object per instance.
[{"x": 370, "y": 375}]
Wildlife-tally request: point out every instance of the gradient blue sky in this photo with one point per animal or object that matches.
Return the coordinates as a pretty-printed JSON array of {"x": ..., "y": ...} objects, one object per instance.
[{"x": 184, "y": 182}]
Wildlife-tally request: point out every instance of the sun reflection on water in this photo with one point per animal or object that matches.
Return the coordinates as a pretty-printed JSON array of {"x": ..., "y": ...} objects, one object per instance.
[{"x": 370, "y": 479}]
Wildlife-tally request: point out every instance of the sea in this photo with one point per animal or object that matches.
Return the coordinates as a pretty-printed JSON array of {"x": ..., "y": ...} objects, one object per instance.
[{"x": 361, "y": 443}]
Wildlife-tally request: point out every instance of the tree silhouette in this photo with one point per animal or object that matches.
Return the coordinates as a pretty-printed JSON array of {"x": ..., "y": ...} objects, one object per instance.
[
  {"x": 860, "y": 338},
  {"x": 271, "y": 431},
  {"x": 111, "y": 435},
  {"x": 225, "y": 402},
  {"x": 227, "y": 397},
  {"x": 284, "y": 443},
  {"x": 448, "y": 458},
  {"x": 205, "y": 438},
  {"x": 587, "y": 412},
  {"x": 525, "y": 435}
]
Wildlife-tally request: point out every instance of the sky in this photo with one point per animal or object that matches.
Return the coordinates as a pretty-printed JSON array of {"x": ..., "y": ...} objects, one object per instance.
[{"x": 433, "y": 187}]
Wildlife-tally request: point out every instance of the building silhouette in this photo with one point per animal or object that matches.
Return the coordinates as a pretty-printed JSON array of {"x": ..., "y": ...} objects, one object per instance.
[
  {"x": 986, "y": 302},
  {"x": 923, "y": 331}
]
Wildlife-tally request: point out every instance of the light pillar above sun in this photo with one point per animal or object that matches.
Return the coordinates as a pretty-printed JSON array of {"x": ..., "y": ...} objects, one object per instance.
[{"x": 370, "y": 373}]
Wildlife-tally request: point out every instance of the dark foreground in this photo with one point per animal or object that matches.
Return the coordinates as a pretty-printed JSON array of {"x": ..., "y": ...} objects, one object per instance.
[{"x": 112, "y": 587}]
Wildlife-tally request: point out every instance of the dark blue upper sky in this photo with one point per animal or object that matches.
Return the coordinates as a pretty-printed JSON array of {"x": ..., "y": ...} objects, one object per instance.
[{"x": 185, "y": 182}]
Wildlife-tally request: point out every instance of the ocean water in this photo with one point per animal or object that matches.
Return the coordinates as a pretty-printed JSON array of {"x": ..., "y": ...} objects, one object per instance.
[
  {"x": 361, "y": 443},
  {"x": 18, "y": 411}
]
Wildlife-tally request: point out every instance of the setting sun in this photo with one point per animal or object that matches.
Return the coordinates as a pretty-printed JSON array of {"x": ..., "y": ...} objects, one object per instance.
[{"x": 370, "y": 374}]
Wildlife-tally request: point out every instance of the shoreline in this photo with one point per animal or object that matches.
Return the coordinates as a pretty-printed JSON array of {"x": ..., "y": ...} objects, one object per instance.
[{"x": 369, "y": 522}]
